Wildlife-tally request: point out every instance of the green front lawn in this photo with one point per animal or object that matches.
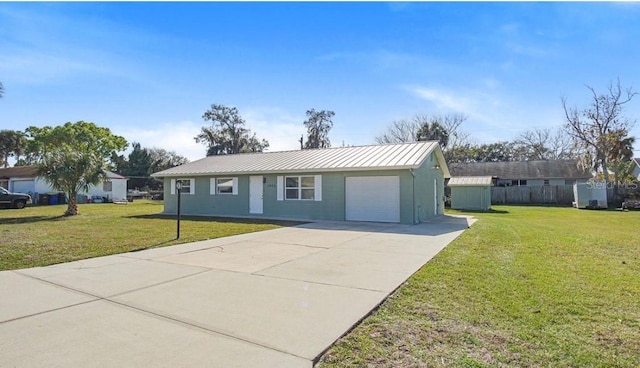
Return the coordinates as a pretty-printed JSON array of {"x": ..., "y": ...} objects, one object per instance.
[
  {"x": 524, "y": 287},
  {"x": 39, "y": 236}
]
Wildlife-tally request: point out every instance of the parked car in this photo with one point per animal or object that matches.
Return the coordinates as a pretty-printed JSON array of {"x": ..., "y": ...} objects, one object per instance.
[{"x": 13, "y": 200}]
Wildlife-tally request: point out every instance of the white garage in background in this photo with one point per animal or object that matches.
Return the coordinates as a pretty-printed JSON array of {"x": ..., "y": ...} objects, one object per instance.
[{"x": 373, "y": 198}]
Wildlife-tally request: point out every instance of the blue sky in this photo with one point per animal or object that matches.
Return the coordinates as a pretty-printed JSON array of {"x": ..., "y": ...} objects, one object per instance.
[{"x": 148, "y": 71}]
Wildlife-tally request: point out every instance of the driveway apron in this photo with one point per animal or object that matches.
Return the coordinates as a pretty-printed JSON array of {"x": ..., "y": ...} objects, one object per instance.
[{"x": 277, "y": 298}]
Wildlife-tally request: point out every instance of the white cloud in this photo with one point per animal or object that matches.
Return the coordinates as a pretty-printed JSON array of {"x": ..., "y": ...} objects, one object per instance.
[
  {"x": 281, "y": 129},
  {"x": 172, "y": 136},
  {"x": 476, "y": 105},
  {"x": 492, "y": 116}
]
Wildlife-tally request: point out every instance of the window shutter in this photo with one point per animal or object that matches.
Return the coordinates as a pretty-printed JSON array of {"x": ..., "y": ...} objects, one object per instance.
[
  {"x": 192, "y": 188},
  {"x": 235, "y": 186},
  {"x": 173, "y": 186},
  {"x": 318, "y": 188},
  {"x": 280, "y": 188},
  {"x": 212, "y": 186}
]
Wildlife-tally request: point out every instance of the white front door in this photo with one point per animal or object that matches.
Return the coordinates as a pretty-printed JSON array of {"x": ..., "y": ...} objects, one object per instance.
[{"x": 255, "y": 194}]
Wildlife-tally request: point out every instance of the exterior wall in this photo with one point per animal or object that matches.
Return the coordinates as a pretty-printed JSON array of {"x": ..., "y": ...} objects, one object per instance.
[
  {"x": 636, "y": 172},
  {"x": 331, "y": 207},
  {"x": 471, "y": 198},
  {"x": 428, "y": 202},
  {"x": 40, "y": 186},
  {"x": 118, "y": 190}
]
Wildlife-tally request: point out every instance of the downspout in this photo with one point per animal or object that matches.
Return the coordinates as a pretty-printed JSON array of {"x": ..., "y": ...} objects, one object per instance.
[{"x": 413, "y": 193}]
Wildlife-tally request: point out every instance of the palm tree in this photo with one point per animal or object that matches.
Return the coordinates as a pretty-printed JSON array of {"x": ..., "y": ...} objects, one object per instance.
[
  {"x": 621, "y": 151},
  {"x": 433, "y": 131}
]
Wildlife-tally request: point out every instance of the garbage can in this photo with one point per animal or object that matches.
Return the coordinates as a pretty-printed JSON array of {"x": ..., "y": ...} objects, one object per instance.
[
  {"x": 53, "y": 198},
  {"x": 43, "y": 199}
]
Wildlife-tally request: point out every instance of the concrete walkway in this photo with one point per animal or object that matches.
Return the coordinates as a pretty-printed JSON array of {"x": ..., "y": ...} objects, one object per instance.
[{"x": 276, "y": 298}]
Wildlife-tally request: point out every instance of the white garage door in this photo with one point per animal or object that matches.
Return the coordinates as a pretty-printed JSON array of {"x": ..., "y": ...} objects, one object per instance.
[
  {"x": 373, "y": 198},
  {"x": 23, "y": 186}
]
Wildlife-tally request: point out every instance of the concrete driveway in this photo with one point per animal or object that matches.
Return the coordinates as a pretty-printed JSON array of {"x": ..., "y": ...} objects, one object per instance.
[{"x": 276, "y": 298}]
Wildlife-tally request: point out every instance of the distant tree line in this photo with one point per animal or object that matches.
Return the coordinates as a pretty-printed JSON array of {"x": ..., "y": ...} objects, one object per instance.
[
  {"x": 597, "y": 136},
  {"x": 142, "y": 162}
]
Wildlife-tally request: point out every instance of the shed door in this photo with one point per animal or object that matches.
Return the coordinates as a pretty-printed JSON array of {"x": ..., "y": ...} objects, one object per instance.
[
  {"x": 373, "y": 198},
  {"x": 23, "y": 186}
]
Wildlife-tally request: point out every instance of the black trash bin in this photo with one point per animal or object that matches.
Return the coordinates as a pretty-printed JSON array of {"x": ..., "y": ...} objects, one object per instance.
[{"x": 43, "y": 199}]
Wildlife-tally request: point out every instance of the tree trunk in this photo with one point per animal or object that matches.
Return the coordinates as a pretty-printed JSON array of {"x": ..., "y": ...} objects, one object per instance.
[
  {"x": 72, "y": 205},
  {"x": 605, "y": 173},
  {"x": 616, "y": 181}
]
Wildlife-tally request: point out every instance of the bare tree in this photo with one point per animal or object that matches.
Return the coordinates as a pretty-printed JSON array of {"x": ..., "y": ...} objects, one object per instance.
[
  {"x": 545, "y": 144},
  {"x": 591, "y": 127},
  {"x": 408, "y": 130},
  {"x": 400, "y": 131}
]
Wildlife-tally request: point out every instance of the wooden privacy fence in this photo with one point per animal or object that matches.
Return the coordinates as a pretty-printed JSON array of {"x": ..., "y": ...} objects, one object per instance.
[
  {"x": 547, "y": 194},
  {"x": 555, "y": 194}
]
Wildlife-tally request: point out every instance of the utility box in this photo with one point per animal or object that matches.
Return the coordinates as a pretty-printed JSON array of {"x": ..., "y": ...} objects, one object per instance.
[{"x": 591, "y": 195}]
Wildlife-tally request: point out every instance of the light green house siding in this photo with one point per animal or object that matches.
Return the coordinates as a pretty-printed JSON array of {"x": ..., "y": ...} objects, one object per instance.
[
  {"x": 419, "y": 201},
  {"x": 429, "y": 191}
]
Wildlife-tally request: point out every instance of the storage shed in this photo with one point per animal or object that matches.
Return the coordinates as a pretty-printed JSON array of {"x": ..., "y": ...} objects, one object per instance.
[
  {"x": 401, "y": 183},
  {"x": 591, "y": 195},
  {"x": 471, "y": 192}
]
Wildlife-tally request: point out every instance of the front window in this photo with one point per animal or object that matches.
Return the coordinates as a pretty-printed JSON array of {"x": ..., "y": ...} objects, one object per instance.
[
  {"x": 300, "y": 187},
  {"x": 224, "y": 185},
  {"x": 107, "y": 186},
  {"x": 546, "y": 181},
  {"x": 186, "y": 186}
]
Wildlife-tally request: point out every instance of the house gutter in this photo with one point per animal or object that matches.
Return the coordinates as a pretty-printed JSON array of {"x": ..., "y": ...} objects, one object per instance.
[{"x": 413, "y": 193}]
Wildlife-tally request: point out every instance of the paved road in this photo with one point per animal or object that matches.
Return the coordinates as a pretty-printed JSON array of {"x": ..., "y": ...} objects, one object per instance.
[{"x": 276, "y": 298}]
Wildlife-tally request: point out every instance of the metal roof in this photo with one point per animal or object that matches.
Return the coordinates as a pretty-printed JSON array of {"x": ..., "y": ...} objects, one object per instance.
[
  {"x": 19, "y": 172},
  {"x": 549, "y": 169},
  {"x": 470, "y": 181},
  {"x": 378, "y": 157},
  {"x": 32, "y": 172}
]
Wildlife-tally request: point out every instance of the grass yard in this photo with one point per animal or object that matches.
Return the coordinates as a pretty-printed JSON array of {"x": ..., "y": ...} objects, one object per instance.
[
  {"x": 40, "y": 236},
  {"x": 524, "y": 287}
]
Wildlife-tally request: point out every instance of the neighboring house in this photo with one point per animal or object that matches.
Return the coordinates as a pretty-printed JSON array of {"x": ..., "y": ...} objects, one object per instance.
[
  {"x": 636, "y": 169},
  {"x": 398, "y": 183},
  {"x": 25, "y": 179},
  {"x": 525, "y": 173},
  {"x": 471, "y": 192}
]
